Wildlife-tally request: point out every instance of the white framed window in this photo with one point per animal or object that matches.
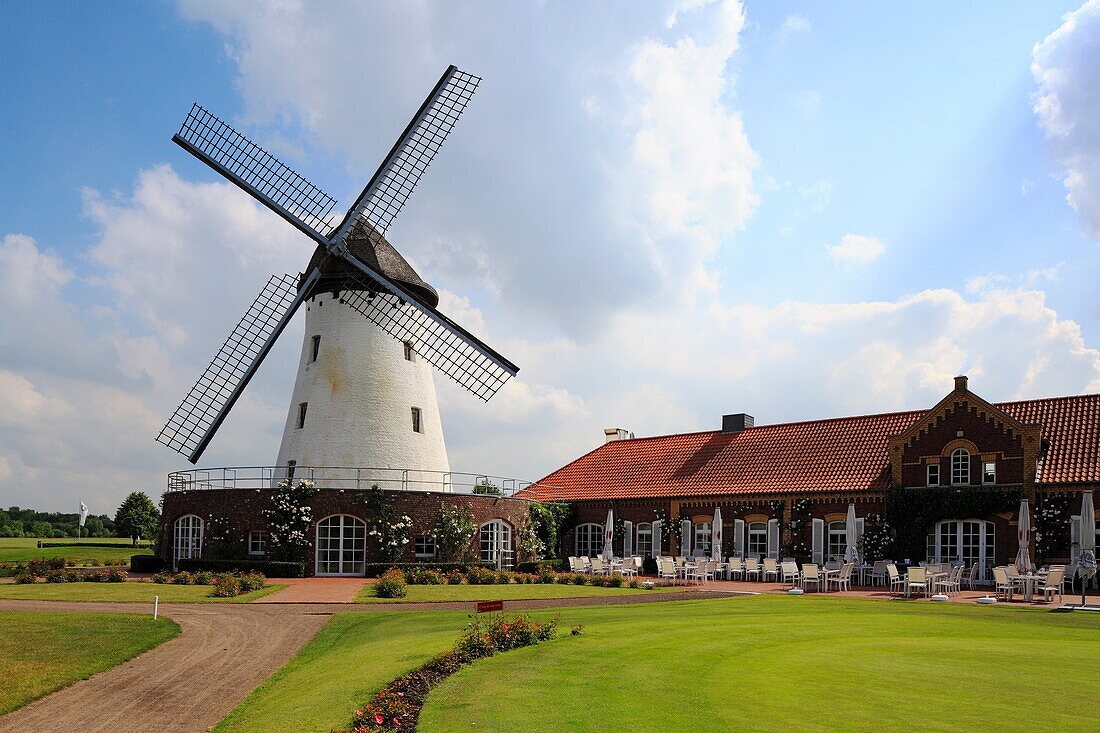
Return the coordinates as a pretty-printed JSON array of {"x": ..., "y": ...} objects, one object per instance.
[
  {"x": 314, "y": 348},
  {"x": 424, "y": 545},
  {"x": 644, "y": 545},
  {"x": 838, "y": 541},
  {"x": 302, "y": 407},
  {"x": 989, "y": 472},
  {"x": 407, "y": 348},
  {"x": 932, "y": 474},
  {"x": 758, "y": 540},
  {"x": 588, "y": 540},
  {"x": 417, "y": 420},
  {"x": 341, "y": 545},
  {"x": 702, "y": 535},
  {"x": 496, "y": 543},
  {"x": 188, "y": 537},
  {"x": 257, "y": 543},
  {"x": 960, "y": 467}
]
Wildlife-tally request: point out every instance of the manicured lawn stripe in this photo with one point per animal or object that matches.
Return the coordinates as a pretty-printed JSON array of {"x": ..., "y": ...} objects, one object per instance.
[
  {"x": 781, "y": 664},
  {"x": 43, "y": 651},
  {"x": 511, "y": 592},
  {"x": 22, "y": 549},
  {"x": 128, "y": 592}
]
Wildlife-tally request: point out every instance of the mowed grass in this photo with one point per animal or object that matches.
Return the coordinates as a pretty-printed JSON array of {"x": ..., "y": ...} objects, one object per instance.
[
  {"x": 22, "y": 549},
  {"x": 132, "y": 591},
  {"x": 43, "y": 651},
  {"x": 787, "y": 664},
  {"x": 511, "y": 592},
  {"x": 354, "y": 655}
]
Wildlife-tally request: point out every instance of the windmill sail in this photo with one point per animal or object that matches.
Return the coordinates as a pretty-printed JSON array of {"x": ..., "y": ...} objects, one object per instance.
[
  {"x": 202, "y": 411},
  {"x": 255, "y": 170}
]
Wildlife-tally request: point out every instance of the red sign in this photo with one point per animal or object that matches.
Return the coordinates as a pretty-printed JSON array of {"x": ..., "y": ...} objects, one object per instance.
[{"x": 489, "y": 606}]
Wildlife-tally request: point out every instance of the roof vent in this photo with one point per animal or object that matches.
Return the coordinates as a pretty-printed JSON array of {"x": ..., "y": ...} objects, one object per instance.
[
  {"x": 736, "y": 422},
  {"x": 610, "y": 435}
]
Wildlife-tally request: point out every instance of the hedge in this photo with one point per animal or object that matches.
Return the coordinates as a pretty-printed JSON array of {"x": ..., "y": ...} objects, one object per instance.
[
  {"x": 143, "y": 545},
  {"x": 270, "y": 568},
  {"x": 375, "y": 569},
  {"x": 534, "y": 567},
  {"x": 146, "y": 564}
]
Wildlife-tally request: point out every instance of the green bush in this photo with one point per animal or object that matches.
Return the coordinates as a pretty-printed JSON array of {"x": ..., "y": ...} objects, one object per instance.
[
  {"x": 184, "y": 578},
  {"x": 162, "y": 578},
  {"x": 56, "y": 577},
  {"x": 375, "y": 569},
  {"x": 504, "y": 577},
  {"x": 455, "y": 578},
  {"x": 270, "y": 568},
  {"x": 252, "y": 581},
  {"x": 115, "y": 575},
  {"x": 146, "y": 564},
  {"x": 481, "y": 576},
  {"x": 25, "y": 579},
  {"x": 580, "y": 579},
  {"x": 391, "y": 584},
  {"x": 226, "y": 585},
  {"x": 203, "y": 577},
  {"x": 615, "y": 581}
]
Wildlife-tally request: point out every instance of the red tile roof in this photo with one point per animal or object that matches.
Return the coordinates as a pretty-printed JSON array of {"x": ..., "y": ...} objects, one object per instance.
[{"x": 839, "y": 454}]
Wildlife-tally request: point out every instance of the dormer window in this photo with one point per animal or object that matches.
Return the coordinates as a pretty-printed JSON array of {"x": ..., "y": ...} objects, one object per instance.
[
  {"x": 932, "y": 474},
  {"x": 989, "y": 472},
  {"x": 960, "y": 467}
]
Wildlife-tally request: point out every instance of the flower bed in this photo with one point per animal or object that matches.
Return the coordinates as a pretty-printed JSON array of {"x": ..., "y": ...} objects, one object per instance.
[
  {"x": 486, "y": 576},
  {"x": 397, "y": 707},
  {"x": 225, "y": 585}
]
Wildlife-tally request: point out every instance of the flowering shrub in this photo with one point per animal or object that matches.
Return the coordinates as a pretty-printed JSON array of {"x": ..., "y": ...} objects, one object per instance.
[
  {"x": 635, "y": 583},
  {"x": 452, "y": 533},
  {"x": 162, "y": 578},
  {"x": 455, "y": 578},
  {"x": 226, "y": 585},
  {"x": 615, "y": 581},
  {"x": 579, "y": 578},
  {"x": 203, "y": 577},
  {"x": 252, "y": 581},
  {"x": 481, "y": 576},
  {"x": 531, "y": 547},
  {"x": 114, "y": 575},
  {"x": 391, "y": 584},
  {"x": 289, "y": 519},
  {"x": 184, "y": 578},
  {"x": 25, "y": 579}
]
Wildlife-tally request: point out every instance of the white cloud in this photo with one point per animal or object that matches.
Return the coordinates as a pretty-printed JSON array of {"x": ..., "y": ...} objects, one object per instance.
[
  {"x": 1066, "y": 66},
  {"x": 857, "y": 249},
  {"x": 794, "y": 24}
]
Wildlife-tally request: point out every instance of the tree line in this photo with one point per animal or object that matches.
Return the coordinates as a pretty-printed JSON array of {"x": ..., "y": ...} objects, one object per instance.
[{"x": 137, "y": 518}]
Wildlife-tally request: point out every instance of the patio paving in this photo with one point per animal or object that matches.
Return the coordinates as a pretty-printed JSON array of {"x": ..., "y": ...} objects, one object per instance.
[{"x": 315, "y": 590}]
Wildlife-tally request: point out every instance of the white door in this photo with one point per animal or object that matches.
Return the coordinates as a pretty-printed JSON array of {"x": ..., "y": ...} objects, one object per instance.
[
  {"x": 341, "y": 546},
  {"x": 969, "y": 540},
  {"x": 496, "y": 543},
  {"x": 188, "y": 538}
]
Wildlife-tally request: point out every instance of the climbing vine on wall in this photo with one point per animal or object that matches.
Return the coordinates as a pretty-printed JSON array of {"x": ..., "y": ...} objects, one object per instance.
[
  {"x": 912, "y": 512},
  {"x": 1052, "y": 528}
]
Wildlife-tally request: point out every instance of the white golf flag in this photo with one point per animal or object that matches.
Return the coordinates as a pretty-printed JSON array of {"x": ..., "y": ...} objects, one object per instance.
[{"x": 83, "y": 512}]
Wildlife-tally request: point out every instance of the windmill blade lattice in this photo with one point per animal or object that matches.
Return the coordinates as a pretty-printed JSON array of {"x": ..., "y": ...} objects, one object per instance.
[
  {"x": 257, "y": 171},
  {"x": 393, "y": 182},
  {"x": 196, "y": 419}
]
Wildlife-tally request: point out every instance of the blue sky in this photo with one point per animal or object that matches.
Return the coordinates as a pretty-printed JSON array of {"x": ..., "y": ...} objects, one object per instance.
[{"x": 662, "y": 212}]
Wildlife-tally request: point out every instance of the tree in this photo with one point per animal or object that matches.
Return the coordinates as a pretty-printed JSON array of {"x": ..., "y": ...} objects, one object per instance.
[
  {"x": 41, "y": 529},
  {"x": 137, "y": 517}
]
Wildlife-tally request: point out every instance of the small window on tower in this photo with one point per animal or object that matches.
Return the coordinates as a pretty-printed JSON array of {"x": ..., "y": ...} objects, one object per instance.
[
  {"x": 314, "y": 348},
  {"x": 290, "y": 466},
  {"x": 409, "y": 351},
  {"x": 302, "y": 414},
  {"x": 417, "y": 423}
]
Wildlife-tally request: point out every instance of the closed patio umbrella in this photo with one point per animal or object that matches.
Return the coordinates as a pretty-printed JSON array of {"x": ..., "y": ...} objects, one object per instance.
[
  {"x": 716, "y": 536},
  {"x": 1023, "y": 560},
  {"x": 851, "y": 550},
  {"x": 1086, "y": 560},
  {"x": 608, "y": 535}
]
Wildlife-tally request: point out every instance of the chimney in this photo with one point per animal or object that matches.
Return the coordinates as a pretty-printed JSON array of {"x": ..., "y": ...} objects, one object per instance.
[
  {"x": 736, "y": 422},
  {"x": 960, "y": 383},
  {"x": 610, "y": 435}
]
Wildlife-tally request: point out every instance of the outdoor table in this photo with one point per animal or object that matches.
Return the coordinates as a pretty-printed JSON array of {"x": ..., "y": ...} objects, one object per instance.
[
  {"x": 933, "y": 577},
  {"x": 1028, "y": 581},
  {"x": 825, "y": 573},
  {"x": 862, "y": 571}
]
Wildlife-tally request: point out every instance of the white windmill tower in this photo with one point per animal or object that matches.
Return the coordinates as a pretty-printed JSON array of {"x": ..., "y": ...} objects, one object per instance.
[{"x": 364, "y": 396}]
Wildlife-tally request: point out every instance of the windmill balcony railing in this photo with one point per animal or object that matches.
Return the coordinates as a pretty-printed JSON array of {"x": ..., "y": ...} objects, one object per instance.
[{"x": 343, "y": 478}]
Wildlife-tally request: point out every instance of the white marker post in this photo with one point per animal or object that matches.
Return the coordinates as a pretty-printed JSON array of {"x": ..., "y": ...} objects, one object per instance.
[{"x": 156, "y": 600}]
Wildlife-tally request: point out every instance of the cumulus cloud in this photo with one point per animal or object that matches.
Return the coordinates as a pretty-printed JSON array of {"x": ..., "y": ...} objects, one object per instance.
[
  {"x": 857, "y": 249},
  {"x": 1066, "y": 67}
]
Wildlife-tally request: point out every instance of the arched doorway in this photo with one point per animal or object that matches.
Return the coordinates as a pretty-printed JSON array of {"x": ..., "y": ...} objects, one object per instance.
[
  {"x": 969, "y": 540},
  {"x": 187, "y": 538},
  {"x": 496, "y": 543},
  {"x": 341, "y": 545}
]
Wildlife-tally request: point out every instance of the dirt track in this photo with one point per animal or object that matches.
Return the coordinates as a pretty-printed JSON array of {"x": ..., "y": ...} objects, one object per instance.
[{"x": 187, "y": 684}]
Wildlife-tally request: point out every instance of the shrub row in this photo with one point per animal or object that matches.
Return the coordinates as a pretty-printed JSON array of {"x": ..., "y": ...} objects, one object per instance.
[
  {"x": 485, "y": 576},
  {"x": 68, "y": 575},
  {"x": 397, "y": 707},
  {"x": 45, "y": 566},
  {"x": 375, "y": 569},
  {"x": 146, "y": 564},
  {"x": 270, "y": 568},
  {"x": 226, "y": 585},
  {"x": 114, "y": 545},
  {"x": 536, "y": 567}
]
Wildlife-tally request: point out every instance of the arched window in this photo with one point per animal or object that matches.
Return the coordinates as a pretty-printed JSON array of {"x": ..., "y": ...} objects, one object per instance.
[
  {"x": 838, "y": 541},
  {"x": 702, "y": 533},
  {"x": 341, "y": 545},
  {"x": 588, "y": 540},
  {"x": 758, "y": 540},
  {"x": 496, "y": 543},
  {"x": 644, "y": 546},
  {"x": 960, "y": 467},
  {"x": 188, "y": 537}
]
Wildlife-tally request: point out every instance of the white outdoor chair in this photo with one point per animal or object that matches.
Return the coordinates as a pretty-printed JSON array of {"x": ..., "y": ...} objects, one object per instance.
[
  {"x": 586, "y": 564},
  {"x": 878, "y": 572},
  {"x": 843, "y": 579},
  {"x": 790, "y": 572},
  {"x": 666, "y": 569},
  {"x": 1002, "y": 583},
  {"x": 735, "y": 569},
  {"x": 630, "y": 567},
  {"x": 811, "y": 574},
  {"x": 771, "y": 569},
  {"x": 573, "y": 567},
  {"x": 598, "y": 567},
  {"x": 952, "y": 583},
  {"x": 970, "y": 579},
  {"x": 897, "y": 583},
  {"x": 916, "y": 578},
  {"x": 752, "y": 569},
  {"x": 1071, "y": 577},
  {"x": 1053, "y": 584}
]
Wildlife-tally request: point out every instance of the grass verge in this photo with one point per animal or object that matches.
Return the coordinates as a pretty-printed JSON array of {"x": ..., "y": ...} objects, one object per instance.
[
  {"x": 511, "y": 592},
  {"x": 22, "y": 549},
  {"x": 132, "y": 591},
  {"x": 43, "y": 651}
]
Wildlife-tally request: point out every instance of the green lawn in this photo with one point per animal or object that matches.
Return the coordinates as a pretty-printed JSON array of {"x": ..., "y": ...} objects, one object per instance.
[
  {"x": 22, "y": 549},
  {"x": 353, "y": 655},
  {"x": 780, "y": 664},
  {"x": 511, "y": 592},
  {"x": 43, "y": 651},
  {"x": 133, "y": 591}
]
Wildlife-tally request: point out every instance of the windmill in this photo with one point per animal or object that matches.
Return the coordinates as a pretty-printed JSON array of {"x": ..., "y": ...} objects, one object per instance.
[{"x": 353, "y": 265}]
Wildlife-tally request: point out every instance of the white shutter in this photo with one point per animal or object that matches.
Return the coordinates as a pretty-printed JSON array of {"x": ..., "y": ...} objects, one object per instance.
[
  {"x": 773, "y": 539},
  {"x": 657, "y": 538},
  {"x": 628, "y": 539},
  {"x": 685, "y": 537},
  {"x": 819, "y": 541},
  {"x": 1074, "y": 537},
  {"x": 739, "y": 537}
]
